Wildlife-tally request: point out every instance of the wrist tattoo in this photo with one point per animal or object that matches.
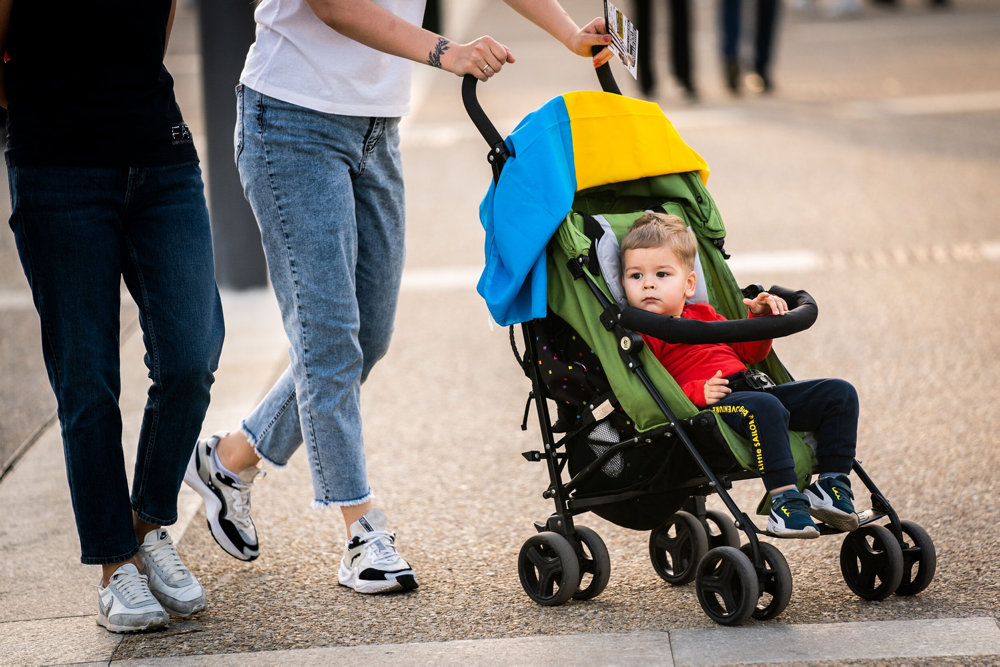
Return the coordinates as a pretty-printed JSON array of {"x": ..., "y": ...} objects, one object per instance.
[{"x": 434, "y": 57}]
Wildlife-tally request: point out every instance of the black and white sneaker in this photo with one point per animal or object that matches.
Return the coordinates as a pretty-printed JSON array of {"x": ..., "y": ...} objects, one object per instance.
[
  {"x": 227, "y": 501},
  {"x": 371, "y": 563}
]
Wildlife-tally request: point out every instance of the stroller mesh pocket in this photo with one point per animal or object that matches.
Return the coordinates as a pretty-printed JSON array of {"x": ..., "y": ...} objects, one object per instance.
[{"x": 605, "y": 433}]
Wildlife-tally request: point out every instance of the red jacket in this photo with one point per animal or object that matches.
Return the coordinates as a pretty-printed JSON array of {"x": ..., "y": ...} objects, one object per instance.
[{"x": 691, "y": 365}]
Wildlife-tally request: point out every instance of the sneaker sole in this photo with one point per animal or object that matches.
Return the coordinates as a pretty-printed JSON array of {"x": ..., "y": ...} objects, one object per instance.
[
  {"x": 835, "y": 518},
  {"x": 153, "y": 624},
  {"x": 406, "y": 581},
  {"x": 173, "y": 610},
  {"x": 794, "y": 534},
  {"x": 213, "y": 508},
  {"x": 825, "y": 511}
]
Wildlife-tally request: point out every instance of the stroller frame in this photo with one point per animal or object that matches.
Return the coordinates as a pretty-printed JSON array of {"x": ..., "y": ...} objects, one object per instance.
[{"x": 733, "y": 582}]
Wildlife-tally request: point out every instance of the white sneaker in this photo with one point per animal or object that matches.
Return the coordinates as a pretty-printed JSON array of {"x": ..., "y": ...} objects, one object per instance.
[
  {"x": 371, "y": 563},
  {"x": 170, "y": 582},
  {"x": 126, "y": 603}
]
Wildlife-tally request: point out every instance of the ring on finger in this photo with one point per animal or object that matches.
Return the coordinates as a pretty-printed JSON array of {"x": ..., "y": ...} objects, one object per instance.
[{"x": 486, "y": 69}]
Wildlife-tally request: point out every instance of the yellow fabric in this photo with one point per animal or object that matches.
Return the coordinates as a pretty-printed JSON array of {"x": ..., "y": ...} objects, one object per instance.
[{"x": 618, "y": 138}]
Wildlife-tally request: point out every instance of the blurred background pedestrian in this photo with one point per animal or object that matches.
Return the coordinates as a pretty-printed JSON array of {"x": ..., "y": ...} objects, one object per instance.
[
  {"x": 679, "y": 48},
  {"x": 765, "y": 26}
]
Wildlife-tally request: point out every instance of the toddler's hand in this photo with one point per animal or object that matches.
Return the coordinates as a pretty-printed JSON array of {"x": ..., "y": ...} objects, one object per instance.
[
  {"x": 767, "y": 303},
  {"x": 716, "y": 388}
]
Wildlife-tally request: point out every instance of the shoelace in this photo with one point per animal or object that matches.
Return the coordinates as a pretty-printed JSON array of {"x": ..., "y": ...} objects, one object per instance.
[
  {"x": 240, "y": 495},
  {"x": 381, "y": 549},
  {"x": 164, "y": 555},
  {"x": 133, "y": 587}
]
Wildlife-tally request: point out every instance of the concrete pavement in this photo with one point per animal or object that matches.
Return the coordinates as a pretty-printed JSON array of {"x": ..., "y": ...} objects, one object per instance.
[{"x": 461, "y": 524}]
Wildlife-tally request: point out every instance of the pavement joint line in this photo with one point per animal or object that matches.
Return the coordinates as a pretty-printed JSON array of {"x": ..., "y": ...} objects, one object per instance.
[{"x": 977, "y": 636}]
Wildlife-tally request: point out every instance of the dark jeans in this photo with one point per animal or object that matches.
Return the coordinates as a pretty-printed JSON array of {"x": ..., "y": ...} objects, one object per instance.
[
  {"x": 79, "y": 232},
  {"x": 764, "y": 29},
  {"x": 827, "y": 407}
]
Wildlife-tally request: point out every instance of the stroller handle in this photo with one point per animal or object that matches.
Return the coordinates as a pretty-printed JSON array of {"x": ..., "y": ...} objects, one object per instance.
[{"x": 485, "y": 125}]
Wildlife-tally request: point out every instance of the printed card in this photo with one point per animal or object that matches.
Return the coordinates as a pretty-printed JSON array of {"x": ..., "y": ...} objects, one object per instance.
[{"x": 624, "y": 36}]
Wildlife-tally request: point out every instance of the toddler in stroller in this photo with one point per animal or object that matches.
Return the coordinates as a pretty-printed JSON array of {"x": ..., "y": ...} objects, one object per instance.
[
  {"x": 658, "y": 255},
  {"x": 629, "y": 444}
]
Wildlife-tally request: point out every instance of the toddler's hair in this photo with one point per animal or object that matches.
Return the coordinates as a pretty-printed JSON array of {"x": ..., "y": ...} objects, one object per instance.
[{"x": 655, "y": 230}]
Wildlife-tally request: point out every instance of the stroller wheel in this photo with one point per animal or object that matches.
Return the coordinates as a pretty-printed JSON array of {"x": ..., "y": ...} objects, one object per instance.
[
  {"x": 676, "y": 546},
  {"x": 727, "y": 586},
  {"x": 594, "y": 561},
  {"x": 728, "y": 534},
  {"x": 871, "y": 561},
  {"x": 918, "y": 553},
  {"x": 775, "y": 581},
  {"x": 548, "y": 568}
]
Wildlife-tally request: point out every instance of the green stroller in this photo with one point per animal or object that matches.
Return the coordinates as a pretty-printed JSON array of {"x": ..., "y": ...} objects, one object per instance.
[{"x": 626, "y": 443}]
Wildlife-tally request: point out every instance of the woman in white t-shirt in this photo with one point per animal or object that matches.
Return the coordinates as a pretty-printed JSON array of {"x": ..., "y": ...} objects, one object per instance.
[{"x": 317, "y": 148}]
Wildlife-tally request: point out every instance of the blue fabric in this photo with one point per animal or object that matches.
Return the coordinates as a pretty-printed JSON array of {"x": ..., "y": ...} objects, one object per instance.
[{"x": 523, "y": 210}]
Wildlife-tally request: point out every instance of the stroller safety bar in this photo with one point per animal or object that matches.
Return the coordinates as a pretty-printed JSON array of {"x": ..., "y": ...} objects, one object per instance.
[{"x": 801, "y": 315}]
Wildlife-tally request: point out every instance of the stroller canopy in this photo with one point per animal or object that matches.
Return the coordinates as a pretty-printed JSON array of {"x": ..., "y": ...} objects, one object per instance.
[{"x": 574, "y": 142}]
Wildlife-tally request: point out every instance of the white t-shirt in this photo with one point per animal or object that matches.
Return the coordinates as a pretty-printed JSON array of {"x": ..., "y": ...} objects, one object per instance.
[{"x": 299, "y": 59}]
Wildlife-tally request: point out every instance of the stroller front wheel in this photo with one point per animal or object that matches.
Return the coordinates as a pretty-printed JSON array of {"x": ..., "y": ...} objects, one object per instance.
[
  {"x": 871, "y": 561},
  {"x": 775, "y": 580},
  {"x": 548, "y": 568},
  {"x": 919, "y": 559}
]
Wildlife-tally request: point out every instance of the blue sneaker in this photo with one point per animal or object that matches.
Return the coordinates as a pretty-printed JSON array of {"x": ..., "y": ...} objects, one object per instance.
[
  {"x": 830, "y": 501},
  {"x": 790, "y": 516}
]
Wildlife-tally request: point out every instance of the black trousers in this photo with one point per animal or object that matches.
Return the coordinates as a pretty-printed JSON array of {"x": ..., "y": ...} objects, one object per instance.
[
  {"x": 680, "y": 43},
  {"x": 827, "y": 407}
]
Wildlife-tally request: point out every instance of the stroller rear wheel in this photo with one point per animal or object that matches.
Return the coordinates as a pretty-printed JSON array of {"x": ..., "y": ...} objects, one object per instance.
[
  {"x": 920, "y": 554},
  {"x": 594, "y": 561},
  {"x": 676, "y": 546},
  {"x": 728, "y": 534},
  {"x": 548, "y": 568},
  {"x": 775, "y": 580},
  {"x": 727, "y": 586},
  {"x": 871, "y": 561}
]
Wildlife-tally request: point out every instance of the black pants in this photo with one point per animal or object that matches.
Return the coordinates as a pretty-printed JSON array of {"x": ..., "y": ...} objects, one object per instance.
[
  {"x": 827, "y": 407},
  {"x": 680, "y": 43}
]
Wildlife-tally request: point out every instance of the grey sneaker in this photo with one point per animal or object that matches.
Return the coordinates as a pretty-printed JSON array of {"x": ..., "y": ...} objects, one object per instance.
[
  {"x": 227, "y": 501},
  {"x": 126, "y": 603},
  {"x": 170, "y": 582},
  {"x": 371, "y": 563}
]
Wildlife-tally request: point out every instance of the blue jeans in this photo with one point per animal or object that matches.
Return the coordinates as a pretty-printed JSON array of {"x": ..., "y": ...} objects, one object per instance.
[
  {"x": 79, "y": 232},
  {"x": 327, "y": 192},
  {"x": 828, "y": 407},
  {"x": 765, "y": 28}
]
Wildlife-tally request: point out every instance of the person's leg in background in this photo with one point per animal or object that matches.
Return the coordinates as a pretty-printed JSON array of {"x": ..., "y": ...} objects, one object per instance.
[
  {"x": 644, "y": 59},
  {"x": 768, "y": 15},
  {"x": 681, "y": 59},
  {"x": 729, "y": 36}
]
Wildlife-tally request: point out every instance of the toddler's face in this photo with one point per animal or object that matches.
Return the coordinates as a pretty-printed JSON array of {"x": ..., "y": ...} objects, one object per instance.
[{"x": 655, "y": 280}]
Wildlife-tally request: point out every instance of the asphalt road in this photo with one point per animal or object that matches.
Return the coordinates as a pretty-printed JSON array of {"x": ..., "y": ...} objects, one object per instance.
[{"x": 867, "y": 178}]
